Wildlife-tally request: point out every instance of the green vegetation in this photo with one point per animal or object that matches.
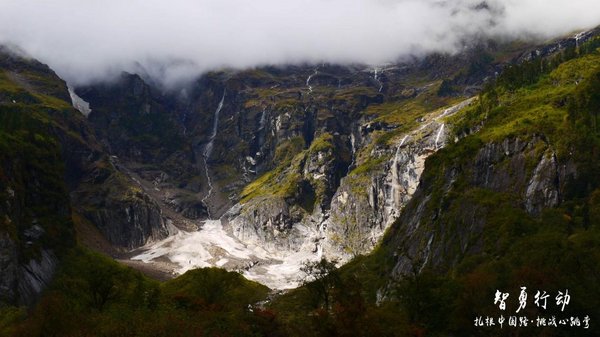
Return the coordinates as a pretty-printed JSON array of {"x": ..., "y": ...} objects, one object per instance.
[
  {"x": 481, "y": 235},
  {"x": 29, "y": 88},
  {"x": 286, "y": 180},
  {"x": 484, "y": 238},
  {"x": 405, "y": 114},
  {"x": 530, "y": 99},
  {"x": 334, "y": 305},
  {"x": 353, "y": 93},
  {"x": 32, "y": 187},
  {"x": 32, "y": 169},
  {"x": 520, "y": 249},
  {"x": 95, "y": 296}
]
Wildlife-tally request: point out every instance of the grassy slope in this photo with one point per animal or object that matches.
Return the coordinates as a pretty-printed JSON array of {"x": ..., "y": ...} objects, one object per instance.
[
  {"x": 92, "y": 295},
  {"x": 95, "y": 296},
  {"x": 31, "y": 166},
  {"x": 555, "y": 251},
  {"x": 283, "y": 180}
]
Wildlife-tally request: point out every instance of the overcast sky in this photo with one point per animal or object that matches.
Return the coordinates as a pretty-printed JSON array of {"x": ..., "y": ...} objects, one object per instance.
[{"x": 86, "y": 40}]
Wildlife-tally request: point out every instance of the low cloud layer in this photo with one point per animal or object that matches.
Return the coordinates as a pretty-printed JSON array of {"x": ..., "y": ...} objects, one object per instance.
[{"x": 177, "y": 39}]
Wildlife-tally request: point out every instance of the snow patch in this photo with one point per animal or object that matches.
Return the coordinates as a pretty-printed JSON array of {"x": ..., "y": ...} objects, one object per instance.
[
  {"x": 213, "y": 246},
  {"x": 79, "y": 103}
]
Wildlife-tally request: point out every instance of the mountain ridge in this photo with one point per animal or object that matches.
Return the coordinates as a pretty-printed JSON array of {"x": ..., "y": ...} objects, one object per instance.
[{"x": 318, "y": 162}]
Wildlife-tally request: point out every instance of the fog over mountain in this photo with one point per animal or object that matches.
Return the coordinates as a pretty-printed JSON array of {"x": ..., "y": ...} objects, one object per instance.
[{"x": 176, "y": 40}]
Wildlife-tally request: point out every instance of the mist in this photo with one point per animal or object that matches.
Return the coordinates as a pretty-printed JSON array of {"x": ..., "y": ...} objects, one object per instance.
[{"x": 176, "y": 40}]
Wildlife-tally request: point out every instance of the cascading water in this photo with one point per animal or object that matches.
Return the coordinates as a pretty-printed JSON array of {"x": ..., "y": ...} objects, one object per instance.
[
  {"x": 353, "y": 148},
  {"x": 403, "y": 140},
  {"x": 261, "y": 134},
  {"x": 439, "y": 134},
  {"x": 208, "y": 151},
  {"x": 322, "y": 237},
  {"x": 578, "y": 37},
  {"x": 310, "y": 88},
  {"x": 376, "y": 78},
  {"x": 263, "y": 119},
  {"x": 236, "y": 246}
]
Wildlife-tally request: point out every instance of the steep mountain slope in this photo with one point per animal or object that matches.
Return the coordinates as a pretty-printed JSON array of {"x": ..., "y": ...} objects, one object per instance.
[
  {"x": 511, "y": 204},
  {"x": 301, "y": 160},
  {"x": 258, "y": 171},
  {"x": 291, "y": 163},
  {"x": 51, "y": 161},
  {"x": 533, "y": 154},
  {"x": 93, "y": 295},
  {"x": 36, "y": 227}
]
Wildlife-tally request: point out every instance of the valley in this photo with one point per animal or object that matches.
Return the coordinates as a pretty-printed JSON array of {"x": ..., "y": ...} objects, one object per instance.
[{"x": 278, "y": 200}]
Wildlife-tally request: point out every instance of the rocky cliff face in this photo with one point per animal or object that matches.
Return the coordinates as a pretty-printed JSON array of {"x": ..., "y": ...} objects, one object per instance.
[
  {"x": 290, "y": 145},
  {"x": 524, "y": 170},
  {"x": 354, "y": 212},
  {"x": 265, "y": 117},
  {"x": 515, "y": 179},
  {"x": 366, "y": 204},
  {"x": 52, "y": 161},
  {"x": 35, "y": 224},
  {"x": 114, "y": 200},
  {"x": 305, "y": 161},
  {"x": 319, "y": 161}
]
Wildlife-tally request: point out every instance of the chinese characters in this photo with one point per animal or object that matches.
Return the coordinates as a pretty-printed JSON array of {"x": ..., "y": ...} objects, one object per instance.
[{"x": 541, "y": 300}]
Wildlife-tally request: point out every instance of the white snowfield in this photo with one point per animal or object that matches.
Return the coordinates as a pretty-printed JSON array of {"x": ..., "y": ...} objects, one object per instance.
[
  {"x": 280, "y": 267},
  {"x": 79, "y": 104},
  {"x": 212, "y": 246}
]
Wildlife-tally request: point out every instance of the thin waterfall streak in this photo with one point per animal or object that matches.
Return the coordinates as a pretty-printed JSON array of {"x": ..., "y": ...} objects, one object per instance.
[{"x": 208, "y": 151}]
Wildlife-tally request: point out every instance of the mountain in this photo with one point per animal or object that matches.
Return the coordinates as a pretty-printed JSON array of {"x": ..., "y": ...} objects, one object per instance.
[{"x": 432, "y": 183}]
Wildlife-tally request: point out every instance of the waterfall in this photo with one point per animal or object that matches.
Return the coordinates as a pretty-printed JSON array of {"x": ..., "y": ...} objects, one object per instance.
[
  {"x": 208, "y": 151},
  {"x": 376, "y": 78},
  {"x": 403, "y": 140},
  {"x": 184, "y": 99},
  {"x": 263, "y": 119},
  {"x": 310, "y": 89},
  {"x": 439, "y": 134},
  {"x": 578, "y": 37},
  {"x": 353, "y": 145},
  {"x": 322, "y": 236},
  {"x": 208, "y": 148}
]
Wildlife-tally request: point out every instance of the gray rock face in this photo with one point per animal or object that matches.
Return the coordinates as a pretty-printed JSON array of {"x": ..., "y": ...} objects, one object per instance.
[
  {"x": 525, "y": 169},
  {"x": 268, "y": 222},
  {"x": 27, "y": 258},
  {"x": 22, "y": 283},
  {"x": 365, "y": 206},
  {"x": 8, "y": 269},
  {"x": 131, "y": 223},
  {"x": 352, "y": 214},
  {"x": 27, "y": 251},
  {"x": 492, "y": 169},
  {"x": 504, "y": 168},
  {"x": 543, "y": 187},
  {"x": 35, "y": 276}
]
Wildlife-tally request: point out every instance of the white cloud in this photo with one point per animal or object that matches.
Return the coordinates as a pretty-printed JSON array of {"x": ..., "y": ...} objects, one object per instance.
[{"x": 174, "y": 39}]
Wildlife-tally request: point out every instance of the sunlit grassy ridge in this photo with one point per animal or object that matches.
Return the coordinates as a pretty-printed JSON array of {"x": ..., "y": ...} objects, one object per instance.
[
  {"x": 556, "y": 110},
  {"x": 485, "y": 238},
  {"x": 401, "y": 116},
  {"x": 284, "y": 179}
]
